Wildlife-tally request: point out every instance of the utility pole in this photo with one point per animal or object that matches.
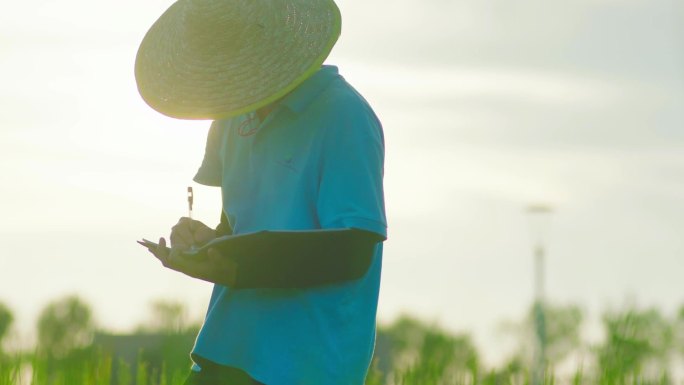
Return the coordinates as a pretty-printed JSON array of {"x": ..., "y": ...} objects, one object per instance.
[{"x": 539, "y": 216}]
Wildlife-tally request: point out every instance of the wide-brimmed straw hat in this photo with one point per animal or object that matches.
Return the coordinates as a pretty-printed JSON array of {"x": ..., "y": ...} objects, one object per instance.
[{"x": 213, "y": 59}]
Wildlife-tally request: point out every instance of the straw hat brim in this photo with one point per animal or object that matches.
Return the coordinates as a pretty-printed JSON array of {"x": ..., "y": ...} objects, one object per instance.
[{"x": 205, "y": 59}]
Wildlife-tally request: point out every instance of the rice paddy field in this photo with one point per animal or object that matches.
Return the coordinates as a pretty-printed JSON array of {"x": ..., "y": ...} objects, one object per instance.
[
  {"x": 103, "y": 370},
  {"x": 640, "y": 347}
]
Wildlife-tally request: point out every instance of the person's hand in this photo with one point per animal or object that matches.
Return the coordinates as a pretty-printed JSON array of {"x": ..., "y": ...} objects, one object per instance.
[
  {"x": 188, "y": 232},
  {"x": 214, "y": 268}
]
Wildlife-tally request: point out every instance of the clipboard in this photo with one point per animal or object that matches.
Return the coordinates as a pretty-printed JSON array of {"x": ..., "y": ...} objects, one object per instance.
[{"x": 262, "y": 241}]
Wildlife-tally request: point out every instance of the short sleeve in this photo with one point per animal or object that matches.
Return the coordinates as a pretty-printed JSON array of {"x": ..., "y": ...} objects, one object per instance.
[
  {"x": 352, "y": 167},
  {"x": 210, "y": 172}
]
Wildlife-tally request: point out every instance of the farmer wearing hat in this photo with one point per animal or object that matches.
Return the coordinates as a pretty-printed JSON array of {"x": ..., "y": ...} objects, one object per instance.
[{"x": 295, "y": 150}]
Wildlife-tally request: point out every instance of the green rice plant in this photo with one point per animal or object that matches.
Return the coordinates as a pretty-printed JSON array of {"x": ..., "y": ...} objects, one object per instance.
[
  {"x": 124, "y": 376},
  {"x": 435, "y": 359},
  {"x": 10, "y": 370},
  {"x": 142, "y": 374},
  {"x": 98, "y": 370}
]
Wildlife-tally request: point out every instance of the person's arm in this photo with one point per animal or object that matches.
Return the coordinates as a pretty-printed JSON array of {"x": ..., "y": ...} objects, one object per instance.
[
  {"x": 288, "y": 261},
  {"x": 271, "y": 260}
]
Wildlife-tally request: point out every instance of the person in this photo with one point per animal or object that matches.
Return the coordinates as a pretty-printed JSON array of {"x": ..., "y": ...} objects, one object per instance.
[{"x": 299, "y": 157}]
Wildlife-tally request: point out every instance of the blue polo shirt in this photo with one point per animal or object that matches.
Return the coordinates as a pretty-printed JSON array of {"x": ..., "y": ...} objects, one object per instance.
[{"x": 315, "y": 162}]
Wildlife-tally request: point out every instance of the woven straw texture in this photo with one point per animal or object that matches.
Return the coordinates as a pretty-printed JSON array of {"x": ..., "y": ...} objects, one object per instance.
[{"x": 213, "y": 59}]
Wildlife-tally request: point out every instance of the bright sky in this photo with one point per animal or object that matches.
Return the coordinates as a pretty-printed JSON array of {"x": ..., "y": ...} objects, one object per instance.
[{"x": 487, "y": 107}]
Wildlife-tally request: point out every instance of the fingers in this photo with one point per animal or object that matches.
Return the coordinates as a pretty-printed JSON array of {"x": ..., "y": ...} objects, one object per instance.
[
  {"x": 216, "y": 267},
  {"x": 171, "y": 258},
  {"x": 188, "y": 232},
  {"x": 161, "y": 252},
  {"x": 188, "y": 265},
  {"x": 181, "y": 233}
]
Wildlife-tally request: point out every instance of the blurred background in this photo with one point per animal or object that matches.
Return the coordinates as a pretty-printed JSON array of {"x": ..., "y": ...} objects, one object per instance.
[{"x": 488, "y": 107}]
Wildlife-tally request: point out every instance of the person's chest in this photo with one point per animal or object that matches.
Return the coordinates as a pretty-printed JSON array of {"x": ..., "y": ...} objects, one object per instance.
[{"x": 271, "y": 170}]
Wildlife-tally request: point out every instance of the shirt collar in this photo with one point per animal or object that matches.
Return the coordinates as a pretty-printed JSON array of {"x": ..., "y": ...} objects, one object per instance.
[{"x": 299, "y": 98}]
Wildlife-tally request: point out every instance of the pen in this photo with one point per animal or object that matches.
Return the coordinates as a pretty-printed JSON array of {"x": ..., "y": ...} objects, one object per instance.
[{"x": 190, "y": 200}]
